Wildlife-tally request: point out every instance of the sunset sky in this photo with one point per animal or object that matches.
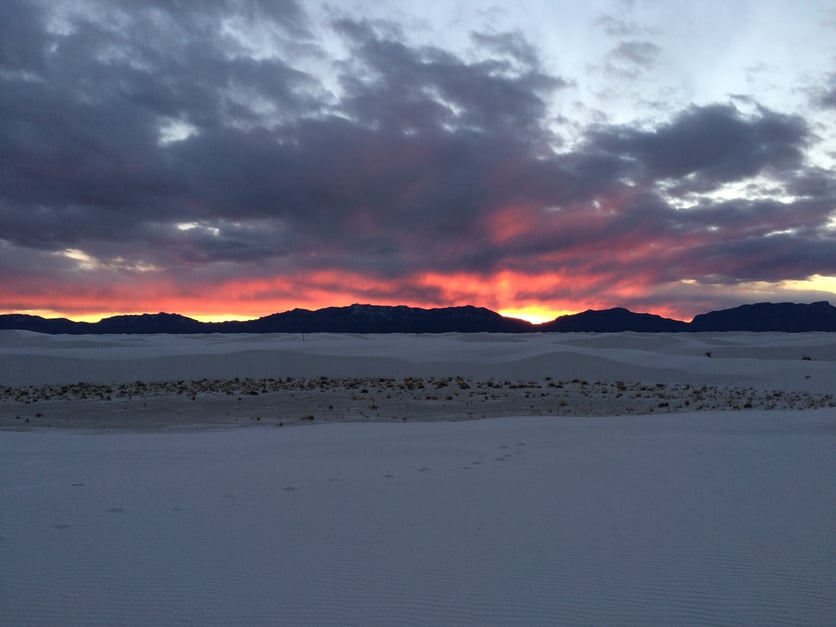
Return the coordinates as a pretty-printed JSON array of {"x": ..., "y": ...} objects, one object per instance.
[{"x": 234, "y": 159}]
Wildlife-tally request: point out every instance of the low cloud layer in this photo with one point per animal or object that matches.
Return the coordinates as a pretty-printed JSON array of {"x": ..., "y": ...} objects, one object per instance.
[{"x": 161, "y": 155}]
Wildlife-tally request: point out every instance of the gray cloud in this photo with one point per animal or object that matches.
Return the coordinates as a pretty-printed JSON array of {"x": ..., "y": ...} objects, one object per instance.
[
  {"x": 620, "y": 28},
  {"x": 825, "y": 96},
  {"x": 511, "y": 44},
  {"x": 712, "y": 145},
  {"x": 638, "y": 53},
  {"x": 423, "y": 161}
]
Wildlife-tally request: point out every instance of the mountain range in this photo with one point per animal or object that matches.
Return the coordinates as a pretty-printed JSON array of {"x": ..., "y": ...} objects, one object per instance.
[{"x": 786, "y": 317}]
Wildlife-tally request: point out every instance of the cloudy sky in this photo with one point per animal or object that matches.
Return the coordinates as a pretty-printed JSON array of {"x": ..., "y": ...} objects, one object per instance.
[{"x": 234, "y": 159}]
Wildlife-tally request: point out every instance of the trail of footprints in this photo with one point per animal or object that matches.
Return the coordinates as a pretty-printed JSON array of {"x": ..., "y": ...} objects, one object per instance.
[{"x": 504, "y": 453}]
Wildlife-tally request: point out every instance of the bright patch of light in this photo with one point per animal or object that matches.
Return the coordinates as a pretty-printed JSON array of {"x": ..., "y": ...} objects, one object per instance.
[
  {"x": 52, "y": 313},
  {"x": 84, "y": 261},
  {"x": 781, "y": 232},
  {"x": 140, "y": 266},
  {"x": 220, "y": 317},
  {"x": 814, "y": 287},
  {"x": 175, "y": 131},
  {"x": 751, "y": 189},
  {"x": 679, "y": 203},
  {"x": 816, "y": 282},
  {"x": 190, "y": 226},
  {"x": 755, "y": 188},
  {"x": 534, "y": 314}
]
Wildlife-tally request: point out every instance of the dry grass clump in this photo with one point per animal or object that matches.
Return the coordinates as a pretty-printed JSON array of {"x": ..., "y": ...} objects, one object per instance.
[{"x": 371, "y": 398}]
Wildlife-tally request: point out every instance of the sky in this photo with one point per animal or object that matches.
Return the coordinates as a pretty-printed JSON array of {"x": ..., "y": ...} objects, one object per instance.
[{"x": 233, "y": 159}]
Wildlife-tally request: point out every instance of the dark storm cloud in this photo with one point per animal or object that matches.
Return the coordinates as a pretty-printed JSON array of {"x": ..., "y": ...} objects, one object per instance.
[
  {"x": 816, "y": 183},
  {"x": 80, "y": 116},
  {"x": 21, "y": 46},
  {"x": 397, "y": 86},
  {"x": 711, "y": 145},
  {"x": 285, "y": 15},
  {"x": 421, "y": 161}
]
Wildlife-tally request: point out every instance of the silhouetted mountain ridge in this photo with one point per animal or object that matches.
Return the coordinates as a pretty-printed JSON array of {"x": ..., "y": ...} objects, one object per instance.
[
  {"x": 613, "y": 320},
  {"x": 384, "y": 319},
  {"x": 787, "y": 317}
]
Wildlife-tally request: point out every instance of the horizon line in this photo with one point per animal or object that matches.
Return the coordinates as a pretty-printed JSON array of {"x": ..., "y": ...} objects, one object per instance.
[{"x": 222, "y": 318}]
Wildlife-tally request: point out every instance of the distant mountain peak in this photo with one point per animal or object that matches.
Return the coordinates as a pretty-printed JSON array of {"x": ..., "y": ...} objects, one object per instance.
[
  {"x": 614, "y": 320},
  {"x": 787, "y": 317},
  {"x": 367, "y": 318}
]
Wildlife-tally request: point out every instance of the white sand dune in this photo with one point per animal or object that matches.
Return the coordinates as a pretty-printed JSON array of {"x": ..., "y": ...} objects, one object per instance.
[
  {"x": 674, "y": 517},
  {"x": 701, "y": 518},
  {"x": 766, "y": 360}
]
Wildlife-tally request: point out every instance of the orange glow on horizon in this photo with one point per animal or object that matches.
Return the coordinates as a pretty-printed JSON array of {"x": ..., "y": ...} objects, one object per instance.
[
  {"x": 535, "y": 314},
  {"x": 52, "y": 313},
  {"x": 98, "y": 316},
  {"x": 538, "y": 298},
  {"x": 507, "y": 292},
  {"x": 223, "y": 317}
]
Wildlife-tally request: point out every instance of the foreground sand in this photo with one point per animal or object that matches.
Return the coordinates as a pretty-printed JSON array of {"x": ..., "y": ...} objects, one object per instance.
[
  {"x": 693, "y": 518},
  {"x": 164, "y": 381}
]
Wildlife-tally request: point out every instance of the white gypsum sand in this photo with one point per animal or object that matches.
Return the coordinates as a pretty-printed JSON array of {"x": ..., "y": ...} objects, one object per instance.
[
  {"x": 675, "y": 516},
  {"x": 168, "y": 381},
  {"x": 692, "y": 518}
]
